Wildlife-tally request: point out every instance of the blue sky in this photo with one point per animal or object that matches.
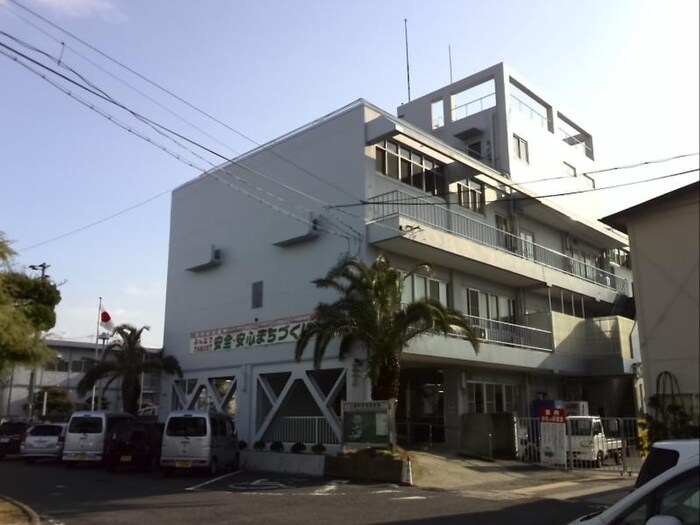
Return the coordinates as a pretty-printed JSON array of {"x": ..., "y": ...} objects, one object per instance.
[{"x": 626, "y": 70}]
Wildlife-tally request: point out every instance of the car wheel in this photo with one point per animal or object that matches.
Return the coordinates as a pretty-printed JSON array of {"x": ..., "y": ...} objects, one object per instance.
[
  {"x": 213, "y": 467},
  {"x": 600, "y": 459}
]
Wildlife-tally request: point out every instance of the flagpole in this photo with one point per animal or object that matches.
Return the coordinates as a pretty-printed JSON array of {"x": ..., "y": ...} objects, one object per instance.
[{"x": 97, "y": 351}]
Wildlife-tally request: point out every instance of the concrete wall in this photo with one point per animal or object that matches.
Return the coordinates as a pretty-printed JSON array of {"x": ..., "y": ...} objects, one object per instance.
[{"x": 664, "y": 247}]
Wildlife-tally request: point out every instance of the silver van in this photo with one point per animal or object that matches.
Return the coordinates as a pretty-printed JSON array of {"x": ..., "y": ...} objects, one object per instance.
[
  {"x": 85, "y": 437},
  {"x": 199, "y": 440}
]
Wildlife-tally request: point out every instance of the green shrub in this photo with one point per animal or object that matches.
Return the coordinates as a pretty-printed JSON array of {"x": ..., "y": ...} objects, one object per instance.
[
  {"x": 318, "y": 448},
  {"x": 298, "y": 447},
  {"x": 259, "y": 445},
  {"x": 277, "y": 446}
]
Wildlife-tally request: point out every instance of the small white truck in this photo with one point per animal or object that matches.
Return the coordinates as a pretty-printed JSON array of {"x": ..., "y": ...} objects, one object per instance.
[{"x": 588, "y": 443}]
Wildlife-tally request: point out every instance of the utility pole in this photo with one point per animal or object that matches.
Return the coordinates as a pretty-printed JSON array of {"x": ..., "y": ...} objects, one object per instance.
[{"x": 43, "y": 266}]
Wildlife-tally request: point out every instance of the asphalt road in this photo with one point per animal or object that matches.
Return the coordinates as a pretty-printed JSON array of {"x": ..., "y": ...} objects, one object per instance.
[{"x": 90, "y": 495}]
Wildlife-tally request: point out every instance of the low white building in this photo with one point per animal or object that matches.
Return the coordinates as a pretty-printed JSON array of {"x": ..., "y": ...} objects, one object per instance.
[
  {"x": 548, "y": 291},
  {"x": 72, "y": 360},
  {"x": 664, "y": 234}
]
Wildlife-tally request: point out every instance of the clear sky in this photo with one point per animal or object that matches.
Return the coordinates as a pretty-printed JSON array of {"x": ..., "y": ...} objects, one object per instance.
[{"x": 625, "y": 70}]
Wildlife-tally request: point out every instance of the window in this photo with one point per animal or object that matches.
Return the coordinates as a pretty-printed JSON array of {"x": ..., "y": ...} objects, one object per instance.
[
  {"x": 490, "y": 306},
  {"x": 257, "y": 294},
  {"x": 471, "y": 195},
  {"x": 437, "y": 113},
  {"x": 504, "y": 237},
  {"x": 491, "y": 398},
  {"x": 520, "y": 149},
  {"x": 417, "y": 287},
  {"x": 527, "y": 244},
  {"x": 410, "y": 167}
]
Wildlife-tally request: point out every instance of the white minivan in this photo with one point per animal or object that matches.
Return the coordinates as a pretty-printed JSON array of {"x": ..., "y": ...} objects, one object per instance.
[
  {"x": 85, "y": 437},
  {"x": 199, "y": 440}
]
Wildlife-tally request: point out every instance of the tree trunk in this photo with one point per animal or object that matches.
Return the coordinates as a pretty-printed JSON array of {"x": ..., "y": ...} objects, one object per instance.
[{"x": 387, "y": 384}]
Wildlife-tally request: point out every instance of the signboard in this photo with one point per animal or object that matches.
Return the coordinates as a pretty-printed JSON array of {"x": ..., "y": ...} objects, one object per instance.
[
  {"x": 369, "y": 423},
  {"x": 284, "y": 330},
  {"x": 553, "y": 436}
]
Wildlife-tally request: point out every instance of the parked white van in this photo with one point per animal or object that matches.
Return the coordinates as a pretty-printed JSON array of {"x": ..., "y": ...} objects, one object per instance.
[
  {"x": 202, "y": 440},
  {"x": 85, "y": 438}
]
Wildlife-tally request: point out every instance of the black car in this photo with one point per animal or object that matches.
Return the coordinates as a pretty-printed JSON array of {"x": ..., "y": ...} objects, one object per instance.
[
  {"x": 11, "y": 434},
  {"x": 134, "y": 443}
]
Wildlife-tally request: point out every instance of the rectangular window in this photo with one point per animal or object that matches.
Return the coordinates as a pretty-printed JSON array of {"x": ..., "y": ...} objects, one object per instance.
[
  {"x": 479, "y": 398},
  {"x": 490, "y": 398},
  {"x": 520, "y": 149},
  {"x": 471, "y": 397},
  {"x": 410, "y": 167},
  {"x": 407, "y": 292},
  {"x": 257, "y": 293},
  {"x": 471, "y": 195},
  {"x": 437, "y": 114},
  {"x": 473, "y": 302},
  {"x": 61, "y": 366},
  {"x": 527, "y": 244}
]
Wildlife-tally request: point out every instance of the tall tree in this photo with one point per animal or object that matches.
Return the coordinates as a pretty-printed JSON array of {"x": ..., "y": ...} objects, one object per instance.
[
  {"x": 27, "y": 308},
  {"x": 369, "y": 312},
  {"x": 126, "y": 360}
]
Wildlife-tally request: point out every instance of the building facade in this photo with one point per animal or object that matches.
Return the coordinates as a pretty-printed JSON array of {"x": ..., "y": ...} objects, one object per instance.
[
  {"x": 72, "y": 360},
  {"x": 663, "y": 234},
  {"x": 546, "y": 290}
]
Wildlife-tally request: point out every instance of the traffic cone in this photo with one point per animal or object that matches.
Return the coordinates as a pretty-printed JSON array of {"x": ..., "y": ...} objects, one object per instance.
[{"x": 407, "y": 473}]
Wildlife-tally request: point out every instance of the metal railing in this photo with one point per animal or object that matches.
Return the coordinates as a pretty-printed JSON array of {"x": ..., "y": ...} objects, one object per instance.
[
  {"x": 436, "y": 215},
  {"x": 304, "y": 429},
  {"x": 627, "y": 459},
  {"x": 530, "y": 112},
  {"x": 473, "y": 106},
  {"x": 511, "y": 334}
]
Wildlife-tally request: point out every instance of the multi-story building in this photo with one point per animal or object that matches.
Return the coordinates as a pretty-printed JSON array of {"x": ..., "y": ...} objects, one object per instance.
[
  {"x": 72, "y": 360},
  {"x": 664, "y": 234},
  {"x": 546, "y": 290}
]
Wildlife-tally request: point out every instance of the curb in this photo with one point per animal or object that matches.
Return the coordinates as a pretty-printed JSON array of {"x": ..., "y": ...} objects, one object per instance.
[{"x": 32, "y": 516}]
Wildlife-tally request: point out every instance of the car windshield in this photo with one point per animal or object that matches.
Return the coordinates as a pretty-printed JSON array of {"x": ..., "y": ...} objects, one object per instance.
[
  {"x": 12, "y": 428},
  {"x": 580, "y": 427},
  {"x": 45, "y": 430},
  {"x": 85, "y": 425},
  {"x": 186, "y": 426}
]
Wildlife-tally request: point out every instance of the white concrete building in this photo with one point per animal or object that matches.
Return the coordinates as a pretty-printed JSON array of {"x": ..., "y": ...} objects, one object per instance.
[
  {"x": 546, "y": 290},
  {"x": 664, "y": 234},
  {"x": 72, "y": 360}
]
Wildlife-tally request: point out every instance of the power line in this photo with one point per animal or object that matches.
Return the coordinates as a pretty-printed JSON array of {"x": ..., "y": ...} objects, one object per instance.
[
  {"x": 412, "y": 199},
  {"x": 155, "y": 125},
  {"x": 182, "y": 100}
]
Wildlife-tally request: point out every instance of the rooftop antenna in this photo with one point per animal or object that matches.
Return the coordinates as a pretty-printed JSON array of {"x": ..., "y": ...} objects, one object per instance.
[
  {"x": 408, "y": 70},
  {"x": 449, "y": 52}
]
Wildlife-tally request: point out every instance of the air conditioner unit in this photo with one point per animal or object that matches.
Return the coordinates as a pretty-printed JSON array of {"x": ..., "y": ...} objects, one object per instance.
[{"x": 481, "y": 333}]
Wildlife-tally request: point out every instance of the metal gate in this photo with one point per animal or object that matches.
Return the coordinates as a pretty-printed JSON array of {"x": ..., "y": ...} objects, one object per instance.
[{"x": 623, "y": 457}]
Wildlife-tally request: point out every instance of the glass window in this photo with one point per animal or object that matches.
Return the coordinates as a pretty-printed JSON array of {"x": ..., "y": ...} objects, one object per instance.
[
  {"x": 186, "y": 426},
  {"x": 471, "y": 397},
  {"x": 85, "y": 425},
  {"x": 407, "y": 292},
  {"x": 471, "y": 195},
  {"x": 437, "y": 114},
  {"x": 490, "y": 398},
  {"x": 527, "y": 241},
  {"x": 479, "y": 398},
  {"x": 521, "y": 149},
  {"x": 473, "y": 302},
  {"x": 410, "y": 167},
  {"x": 420, "y": 287}
]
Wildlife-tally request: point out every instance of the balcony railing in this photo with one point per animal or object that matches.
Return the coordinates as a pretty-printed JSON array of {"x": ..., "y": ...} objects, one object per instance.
[
  {"x": 510, "y": 334},
  {"x": 436, "y": 215}
]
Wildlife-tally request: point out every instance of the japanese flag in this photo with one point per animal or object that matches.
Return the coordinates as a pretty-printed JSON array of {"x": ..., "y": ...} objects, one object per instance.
[{"x": 106, "y": 320}]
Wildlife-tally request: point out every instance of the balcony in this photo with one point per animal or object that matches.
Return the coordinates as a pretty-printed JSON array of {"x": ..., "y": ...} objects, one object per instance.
[
  {"x": 397, "y": 204},
  {"x": 509, "y": 334}
]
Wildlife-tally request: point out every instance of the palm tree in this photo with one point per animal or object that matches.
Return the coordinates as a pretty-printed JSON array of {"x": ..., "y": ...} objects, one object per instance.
[
  {"x": 369, "y": 312},
  {"x": 130, "y": 360}
]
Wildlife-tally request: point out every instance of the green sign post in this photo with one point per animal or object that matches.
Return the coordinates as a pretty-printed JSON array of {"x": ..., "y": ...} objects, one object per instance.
[{"x": 369, "y": 423}]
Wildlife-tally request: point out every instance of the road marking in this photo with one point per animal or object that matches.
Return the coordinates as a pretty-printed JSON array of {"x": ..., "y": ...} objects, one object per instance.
[
  {"x": 197, "y": 487},
  {"x": 411, "y": 497},
  {"x": 326, "y": 490},
  {"x": 258, "y": 484},
  {"x": 549, "y": 486},
  {"x": 385, "y": 491}
]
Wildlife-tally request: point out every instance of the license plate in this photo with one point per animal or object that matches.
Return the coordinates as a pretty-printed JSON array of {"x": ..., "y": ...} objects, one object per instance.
[
  {"x": 125, "y": 459},
  {"x": 183, "y": 464},
  {"x": 81, "y": 457}
]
